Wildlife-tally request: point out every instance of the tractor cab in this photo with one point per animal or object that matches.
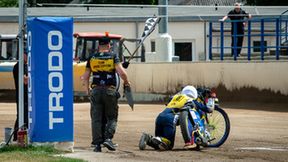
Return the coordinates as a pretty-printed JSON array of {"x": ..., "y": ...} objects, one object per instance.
[{"x": 87, "y": 44}]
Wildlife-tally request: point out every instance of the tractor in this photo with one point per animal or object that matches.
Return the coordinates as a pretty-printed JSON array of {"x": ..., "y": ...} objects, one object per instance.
[{"x": 87, "y": 44}]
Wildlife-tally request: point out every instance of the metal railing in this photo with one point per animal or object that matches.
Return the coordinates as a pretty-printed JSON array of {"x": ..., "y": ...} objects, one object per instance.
[
  {"x": 284, "y": 30},
  {"x": 258, "y": 29}
]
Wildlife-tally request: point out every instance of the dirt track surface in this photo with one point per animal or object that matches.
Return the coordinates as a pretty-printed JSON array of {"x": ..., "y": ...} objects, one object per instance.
[{"x": 259, "y": 134}]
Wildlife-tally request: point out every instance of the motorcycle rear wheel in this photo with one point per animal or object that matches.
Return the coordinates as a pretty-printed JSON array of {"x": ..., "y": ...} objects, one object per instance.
[{"x": 184, "y": 119}]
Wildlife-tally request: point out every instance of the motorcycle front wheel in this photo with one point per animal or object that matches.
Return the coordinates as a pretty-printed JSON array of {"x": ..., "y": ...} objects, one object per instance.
[{"x": 218, "y": 125}]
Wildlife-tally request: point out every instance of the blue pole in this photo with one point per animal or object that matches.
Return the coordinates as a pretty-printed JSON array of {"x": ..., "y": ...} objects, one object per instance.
[
  {"x": 235, "y": 40},
  {"x": 222, "y": 41},
  {"x": 262, "y": 39},
  {"x": 210, "y": 40},
  {"x": 277, "y": 39},
  {"x": 249, "y": 40}
]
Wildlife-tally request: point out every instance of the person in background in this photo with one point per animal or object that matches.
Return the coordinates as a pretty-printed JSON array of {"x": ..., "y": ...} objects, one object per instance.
[
  {"x": 15, "y": 75},
  {"x": 238, "y": 15}
]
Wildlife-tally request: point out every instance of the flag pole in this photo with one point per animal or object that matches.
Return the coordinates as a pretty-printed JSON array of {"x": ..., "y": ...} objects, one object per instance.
[{"x": 21, "y": 64}]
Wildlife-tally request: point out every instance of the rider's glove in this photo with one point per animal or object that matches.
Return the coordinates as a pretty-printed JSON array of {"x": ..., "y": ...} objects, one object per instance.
[{"x": 210, "y": 104}]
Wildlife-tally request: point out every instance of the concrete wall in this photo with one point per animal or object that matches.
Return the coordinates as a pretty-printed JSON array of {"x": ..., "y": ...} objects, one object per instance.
[{"x": 167, "y": 78}]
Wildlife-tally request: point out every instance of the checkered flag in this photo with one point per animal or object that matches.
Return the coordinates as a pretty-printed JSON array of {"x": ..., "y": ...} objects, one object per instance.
[{"x": 149, "y": 27}]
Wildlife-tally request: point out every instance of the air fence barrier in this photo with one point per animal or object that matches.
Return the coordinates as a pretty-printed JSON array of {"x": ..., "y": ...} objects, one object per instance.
[{"x": 261, "y": 29}]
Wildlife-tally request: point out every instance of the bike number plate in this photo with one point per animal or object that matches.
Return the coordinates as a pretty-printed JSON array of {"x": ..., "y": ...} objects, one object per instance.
[{"x": 194, "y": 116}]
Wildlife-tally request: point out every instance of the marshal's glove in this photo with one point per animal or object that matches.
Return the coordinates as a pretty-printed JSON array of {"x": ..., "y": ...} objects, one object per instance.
[{"x": 125, "y": 64}]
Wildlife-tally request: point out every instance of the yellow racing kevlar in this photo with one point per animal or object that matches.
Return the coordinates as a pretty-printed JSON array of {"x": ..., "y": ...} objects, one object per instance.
[
  {"x": 178, "y": 101},
  {"x": 102, "y": 65}
]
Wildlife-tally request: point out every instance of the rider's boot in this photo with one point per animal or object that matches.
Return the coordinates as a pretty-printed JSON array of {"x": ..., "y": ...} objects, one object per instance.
[
  {"x": 160, "y": 143},
  {"x": 145, "y": 140}
]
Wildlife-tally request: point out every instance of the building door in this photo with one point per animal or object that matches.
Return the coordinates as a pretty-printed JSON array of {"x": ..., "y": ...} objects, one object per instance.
[{"x": 183, "y": 50}]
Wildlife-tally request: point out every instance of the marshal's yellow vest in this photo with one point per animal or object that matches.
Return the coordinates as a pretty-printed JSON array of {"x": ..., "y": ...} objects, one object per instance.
[{"x": 102, "y": 65}]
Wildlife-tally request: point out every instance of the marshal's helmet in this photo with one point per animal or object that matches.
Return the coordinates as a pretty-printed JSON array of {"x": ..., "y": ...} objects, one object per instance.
[{"x": 104, "y": 41}]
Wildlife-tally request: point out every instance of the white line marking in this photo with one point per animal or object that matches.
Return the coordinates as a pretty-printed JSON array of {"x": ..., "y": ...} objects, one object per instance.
[{"x": 263, "y": 148}]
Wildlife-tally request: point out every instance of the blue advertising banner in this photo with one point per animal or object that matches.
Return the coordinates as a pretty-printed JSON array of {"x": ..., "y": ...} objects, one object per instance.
[{"x": 50, "y": 72}]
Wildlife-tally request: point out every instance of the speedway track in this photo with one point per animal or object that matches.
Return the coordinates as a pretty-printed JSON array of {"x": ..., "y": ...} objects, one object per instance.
[{"x": 259, "y": 132}]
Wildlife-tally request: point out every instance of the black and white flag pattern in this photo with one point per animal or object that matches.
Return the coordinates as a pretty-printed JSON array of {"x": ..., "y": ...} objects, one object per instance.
[{"x": 149, "y": 27}]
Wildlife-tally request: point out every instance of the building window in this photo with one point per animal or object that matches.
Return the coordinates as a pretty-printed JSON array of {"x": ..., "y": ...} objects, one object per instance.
[
  {"x": 257, "y": 46},
  {"x": 153, "y": 44},
  {"x": 7, "y": 49},
  {"x": 183, "y": 50}
]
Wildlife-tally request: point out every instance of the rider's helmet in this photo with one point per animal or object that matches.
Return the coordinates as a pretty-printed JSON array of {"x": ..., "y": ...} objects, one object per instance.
[{"x": 190, "y": 91}]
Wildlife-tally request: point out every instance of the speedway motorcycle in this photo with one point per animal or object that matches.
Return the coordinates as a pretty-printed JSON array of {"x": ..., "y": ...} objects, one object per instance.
[{"x": 208, "y": 129}]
